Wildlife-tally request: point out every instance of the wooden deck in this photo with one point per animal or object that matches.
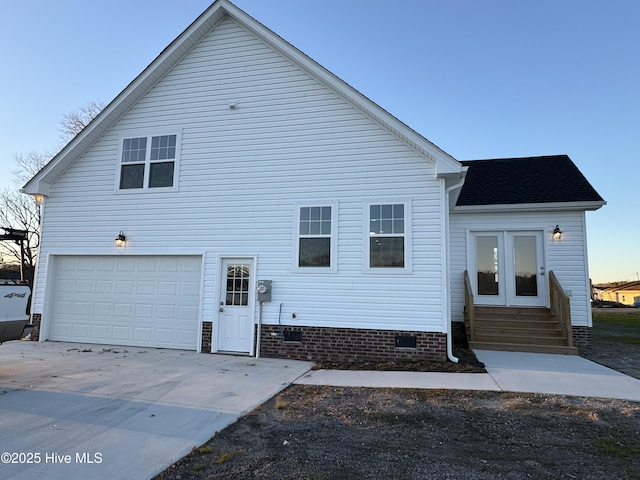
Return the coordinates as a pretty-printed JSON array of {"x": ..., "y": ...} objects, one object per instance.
[{"x": 520, "y": 329}]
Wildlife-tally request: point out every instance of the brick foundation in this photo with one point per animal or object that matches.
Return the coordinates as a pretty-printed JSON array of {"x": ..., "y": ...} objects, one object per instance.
[
  {"x": 350, "y": 345},
  {"x": 581, "y": 337},
  {"x": 36, "y": 320},
  {"x": 458, "y": 333},
  {"x": 207, "y": 336}
]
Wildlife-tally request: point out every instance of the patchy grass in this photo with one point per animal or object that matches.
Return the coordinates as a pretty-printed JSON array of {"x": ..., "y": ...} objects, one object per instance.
[
  {"x": 617, "y": 327},
  {"x": 618, "y": 448},
  {"x": 204, "y": 450}
]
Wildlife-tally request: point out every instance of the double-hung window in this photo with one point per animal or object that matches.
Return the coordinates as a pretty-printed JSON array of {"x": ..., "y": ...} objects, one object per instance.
[
  {"x": 388, "y": 245},
  {"x": 148, "y": 162},
  {"x": 315, "y": 243}
]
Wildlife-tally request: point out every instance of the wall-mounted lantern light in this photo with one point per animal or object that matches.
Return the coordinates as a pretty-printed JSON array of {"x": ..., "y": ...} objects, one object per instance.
[
  {"x": 557, "y": 233},
  {"x": 120, "y": 240}
]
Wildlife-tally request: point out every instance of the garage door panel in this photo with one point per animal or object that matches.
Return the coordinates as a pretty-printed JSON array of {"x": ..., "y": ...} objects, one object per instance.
[
  {"x": 145, "y": 287},
  {"x": 166, "y": 311},
  {"x": 65, "y": 286},
  {"x": 82, "y": 308},
  {"x": 157, "y": 303},
  {"x": 86, "y": 264},
  {"x": 187, "y": 312},
  {"x": 101, "y": 332},
  {"x": 167, "y": 288},
  {"x": 123, "y": 310},
  {"x": 102, "y": 309},
  {"x": 164, "y": 335},
  {"x": 79, "y": 330},
  {"x": 104, "y": 286},
  {"x": 119, "y": 332},
  {"x": 126, "y": 264},
  {"x": 189, "y": 289},
  {"x": 124, "y": 287}
]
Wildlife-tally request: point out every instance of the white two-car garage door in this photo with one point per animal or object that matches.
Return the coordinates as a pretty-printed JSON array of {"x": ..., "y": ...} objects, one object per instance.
[{"x": 146, "y": 301}]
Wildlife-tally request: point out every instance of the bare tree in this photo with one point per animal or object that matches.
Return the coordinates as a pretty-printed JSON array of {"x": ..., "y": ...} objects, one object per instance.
[
  {"x": 73, "y": 123},
  {"x": 20, "y": 212},
  {"x": 29, "y": 164}
]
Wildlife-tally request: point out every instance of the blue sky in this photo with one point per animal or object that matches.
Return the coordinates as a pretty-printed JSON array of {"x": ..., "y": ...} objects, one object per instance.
[{"x": 480, "y": 79}]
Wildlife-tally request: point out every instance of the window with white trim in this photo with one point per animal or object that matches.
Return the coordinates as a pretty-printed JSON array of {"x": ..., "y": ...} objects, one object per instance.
[
  {"x": 148, "y": 162},
  {"x": 315, "y": 245},
  {"x": 387, "y": 247}
]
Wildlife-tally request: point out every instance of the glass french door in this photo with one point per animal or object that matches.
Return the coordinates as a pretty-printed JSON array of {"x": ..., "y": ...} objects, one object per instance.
[{"x": 509, "y": 268}]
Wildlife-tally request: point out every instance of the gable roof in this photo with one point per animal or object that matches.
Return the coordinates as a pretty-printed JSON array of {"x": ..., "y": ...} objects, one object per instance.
[
  {"x": 181, "y": 46},
  {"x": 527, "y": 181}
]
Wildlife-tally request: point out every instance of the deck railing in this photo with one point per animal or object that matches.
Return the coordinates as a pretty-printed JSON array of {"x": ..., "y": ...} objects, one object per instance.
[
  {"x": 469, "y": 309},
  {"x": 560, "y": 306}
]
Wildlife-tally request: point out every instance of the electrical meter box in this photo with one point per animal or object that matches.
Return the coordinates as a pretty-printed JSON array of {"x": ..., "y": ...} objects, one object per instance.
[{"x": 264, "y": 290}]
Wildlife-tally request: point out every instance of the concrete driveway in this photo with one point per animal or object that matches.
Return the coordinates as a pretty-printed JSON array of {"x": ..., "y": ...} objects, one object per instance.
[{"x": 72, "y": 410}]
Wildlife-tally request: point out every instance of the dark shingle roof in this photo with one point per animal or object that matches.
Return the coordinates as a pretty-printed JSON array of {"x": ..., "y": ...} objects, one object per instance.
[{"x": 506, "y": 181}]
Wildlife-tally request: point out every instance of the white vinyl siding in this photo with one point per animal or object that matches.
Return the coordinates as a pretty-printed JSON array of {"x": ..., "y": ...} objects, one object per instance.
[
  {"x": 566, "y": 257},
  {"x": 242, "y": 175}
]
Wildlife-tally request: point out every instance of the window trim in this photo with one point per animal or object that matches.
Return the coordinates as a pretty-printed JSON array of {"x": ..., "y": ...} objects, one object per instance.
[
  {"x": 333, "y": 258},
  {"x": 408, "y": 244},
  {"x": 148, "y": 134}
]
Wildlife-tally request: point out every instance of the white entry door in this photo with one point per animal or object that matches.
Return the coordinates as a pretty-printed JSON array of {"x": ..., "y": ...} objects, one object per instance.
[
  {"x": 508, "y": 268},
  {"x": 235, "y": 321}
]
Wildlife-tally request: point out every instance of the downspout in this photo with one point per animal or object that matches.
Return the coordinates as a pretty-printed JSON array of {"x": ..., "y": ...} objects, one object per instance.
[{"x": 447, "y": 191}]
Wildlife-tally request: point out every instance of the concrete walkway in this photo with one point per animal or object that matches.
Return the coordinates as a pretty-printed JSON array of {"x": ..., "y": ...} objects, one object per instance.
[
  {"x": 92, "y": 411},
  {"x": 507, "y": 371}
]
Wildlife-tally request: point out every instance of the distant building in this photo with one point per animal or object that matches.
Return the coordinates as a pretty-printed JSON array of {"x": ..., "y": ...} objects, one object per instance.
[{"x": 625, "y": 293}]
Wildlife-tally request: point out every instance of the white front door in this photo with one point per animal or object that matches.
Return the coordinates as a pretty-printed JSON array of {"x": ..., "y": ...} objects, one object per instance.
[
  {"x": 235, "y": 321},
  {"x": 509, "y": 268}
]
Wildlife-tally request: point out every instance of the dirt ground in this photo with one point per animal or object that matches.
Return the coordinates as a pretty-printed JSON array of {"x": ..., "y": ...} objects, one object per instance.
[{"x": 310, "y": 432}]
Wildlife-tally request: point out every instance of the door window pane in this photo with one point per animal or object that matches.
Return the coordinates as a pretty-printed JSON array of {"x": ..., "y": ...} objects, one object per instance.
[
  {"x": 237, "y": 285},
  {"x": 487, "y": 265},
  {"x": 524, "y": 248}
]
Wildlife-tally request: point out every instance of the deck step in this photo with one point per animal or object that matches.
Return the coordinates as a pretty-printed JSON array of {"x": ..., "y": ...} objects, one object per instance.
[
  {"x": 519, "y": 347},
  {"x": 532, "y": 339},
  {"x": 525, "y": 329}
]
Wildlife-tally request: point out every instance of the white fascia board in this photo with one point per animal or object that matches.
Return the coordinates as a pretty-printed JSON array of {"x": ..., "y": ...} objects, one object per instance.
[
  {"x": 37, "y": 188},
  {"x": 529, "y": 207}
]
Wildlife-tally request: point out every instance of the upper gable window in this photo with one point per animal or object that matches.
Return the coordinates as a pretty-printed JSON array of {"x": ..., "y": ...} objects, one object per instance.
[{"x": 148, "y": 162}]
